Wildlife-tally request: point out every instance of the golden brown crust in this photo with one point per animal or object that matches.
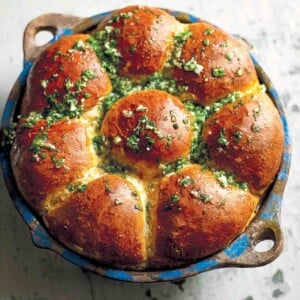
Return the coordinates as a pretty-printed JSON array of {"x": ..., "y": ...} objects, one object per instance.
[
  {"x": 59, "y": 63},
  {"x": 63, "y": 157},
  {"x": 145, "y": 219},
  {"x": 254, "y": 133},
  {"x": 105, "y": 221},
  {"x": 145, "y": 38},
  {"x": 201, "y": 219},
  {"x": 156, "y": 121},
  {"x": 215, "y": 51}
]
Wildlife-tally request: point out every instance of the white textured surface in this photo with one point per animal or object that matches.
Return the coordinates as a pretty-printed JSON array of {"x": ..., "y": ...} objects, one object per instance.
[{"x": 26, "y": 272}]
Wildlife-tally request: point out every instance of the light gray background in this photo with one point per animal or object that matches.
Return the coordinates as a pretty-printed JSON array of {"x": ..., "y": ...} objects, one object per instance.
[{"x": 30, "y": 273}]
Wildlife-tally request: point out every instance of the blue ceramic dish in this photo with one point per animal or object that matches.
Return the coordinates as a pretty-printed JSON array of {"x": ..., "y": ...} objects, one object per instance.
[{"x": 243, "y": 252}]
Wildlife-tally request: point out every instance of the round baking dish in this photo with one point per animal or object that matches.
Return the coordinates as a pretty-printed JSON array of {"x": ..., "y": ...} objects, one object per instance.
[{"x": 242, "y": 252}]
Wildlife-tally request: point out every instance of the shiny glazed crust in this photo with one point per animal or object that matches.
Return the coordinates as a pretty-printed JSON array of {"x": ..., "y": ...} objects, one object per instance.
[{"x": 147, "y": 144}]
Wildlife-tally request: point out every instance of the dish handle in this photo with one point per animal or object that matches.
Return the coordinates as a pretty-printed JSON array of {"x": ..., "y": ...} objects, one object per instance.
[{"x": 56, "y": 24}]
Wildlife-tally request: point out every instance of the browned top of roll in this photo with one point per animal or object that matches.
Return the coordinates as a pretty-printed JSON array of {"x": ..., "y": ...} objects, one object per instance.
[
  {"x": 45, "y": 159},
  {"x": 147, "y": 128},
  {"x": 195, "y": 216},
  {"x": 144, "y": 39},
  {"x": 226, "y": 64},
  {"x": 106, "y": 221},
  {"x": 58, "y": 71},
  {"x": 246, "y": 137}
]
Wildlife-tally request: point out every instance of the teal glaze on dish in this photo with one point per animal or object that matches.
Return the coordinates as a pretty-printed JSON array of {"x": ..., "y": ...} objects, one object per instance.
[{"x": 240, "y": 253}]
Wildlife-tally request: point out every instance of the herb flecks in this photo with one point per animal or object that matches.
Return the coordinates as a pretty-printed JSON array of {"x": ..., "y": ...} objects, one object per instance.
[
  {"x": 175, "y": 59},
  {"x": 218, "y": 72},
  {"x": 174, "y": 198},
  {"x": 237, "y": 135},
  {"x": 58, "y": 162},
  {"x": 224, "y": 178},
  {"x": 205, "y": 198},
  {"x": 77, "y": 187},
  {"x": 101, "y": 144},
  {"x": 174, "y": 166},
  {"x": 9, "y": 134},
  {"x": 208, "y": 31},
  {"x": 186, "y": 181},
  {"x": 132, "y": 142},
  {"x": 80, "y": 45},
  {"x": 222, "y": 138}
]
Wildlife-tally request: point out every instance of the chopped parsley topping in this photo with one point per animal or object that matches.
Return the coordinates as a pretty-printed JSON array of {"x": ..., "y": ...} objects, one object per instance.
[
  {"x": 58, "y": 162},
  {"x": 192, "y": 66},
  {"x": 104, "y": 44},
  {"x": 226, "y": 179},
  {"x": 69, "y": 107},
  {"x": 206, "y": 42},
  {"x": 228, "y": 57},
  {"x": 133, "y": 142},
  {"x": 77, "y": 187},
  {"x": 158, "y": 81},
  {"x": 208, "y": 31},
  {"x": 32, "y": 119},
  {"x": 80, "y": 45},
  {"x": 113, "y": 167},
  {"x": 186, "y": 181},
  {"x": 199, "y": 152},
  {"x": 174, "y": 165},
  {"x": 205, "y": 198},
  {"x": 68, "y": 84},
  {"x": 237, "y": 136},
  {"x": 39, "y": 142},
  {"x": 174, "y": 198},
  {"x": 218, "y": 72},
  {"x": 222, "y": 138},
  {"x": 175, "y": 58},
  {"x": 224, "y": 44},
  {"x": 87, "y": 75},
  {"x": 101, "y": 144},
  {"x": 132, "y": 48}
]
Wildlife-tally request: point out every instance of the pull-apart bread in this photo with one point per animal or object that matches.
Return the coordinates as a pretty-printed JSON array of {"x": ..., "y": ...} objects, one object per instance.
[{"x": 148, "y": 143}]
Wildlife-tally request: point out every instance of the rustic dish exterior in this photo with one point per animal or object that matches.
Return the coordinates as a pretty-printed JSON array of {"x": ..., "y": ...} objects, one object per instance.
[{"x": 188, "y": 193}]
